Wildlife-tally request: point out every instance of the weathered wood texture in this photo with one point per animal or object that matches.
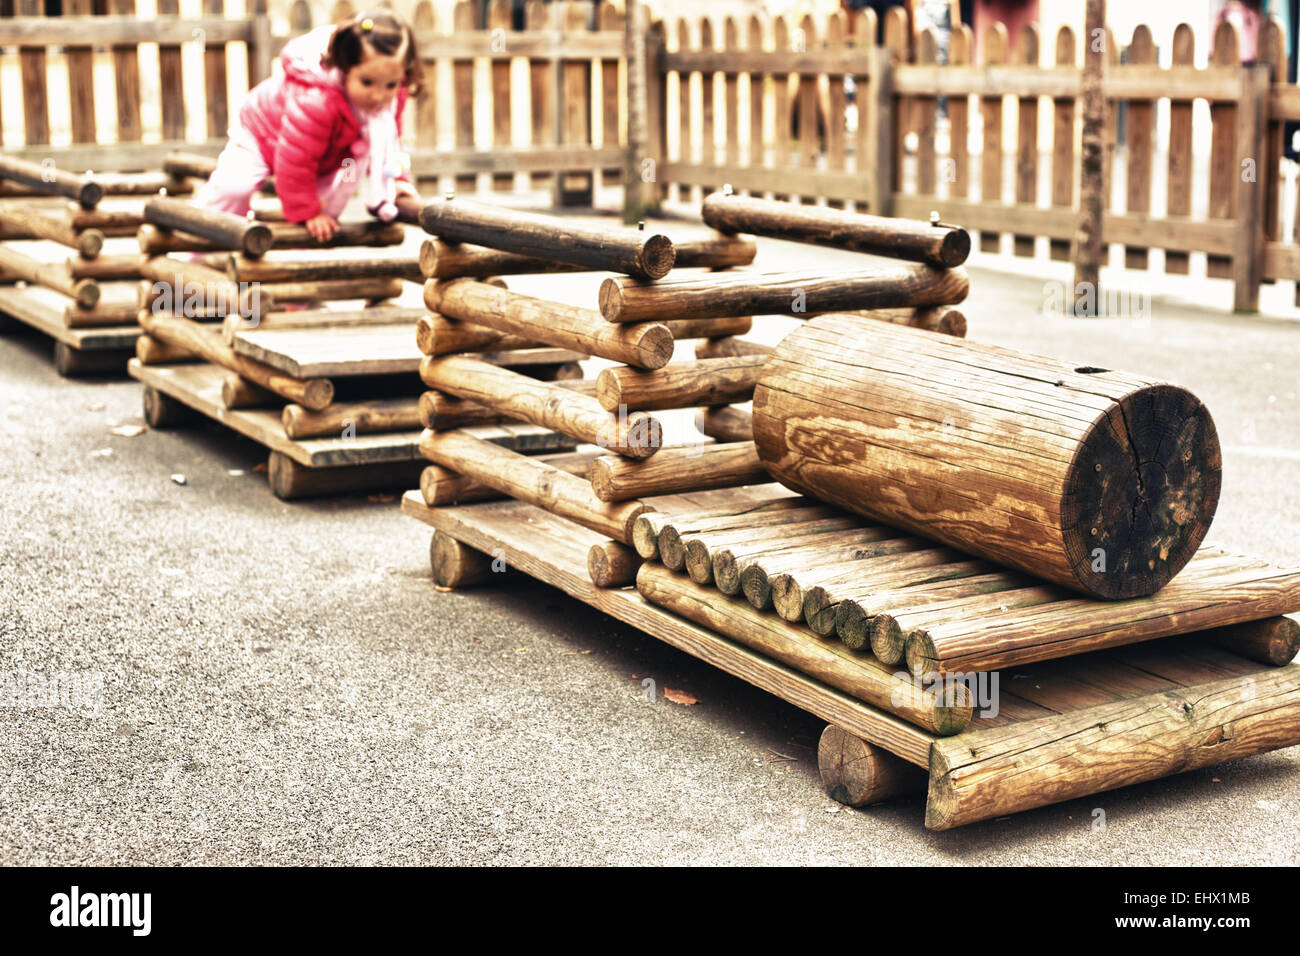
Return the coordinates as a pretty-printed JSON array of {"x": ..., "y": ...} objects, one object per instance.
[
  {"x": 615, "y": 248},
  {"x": 938, "y": 245},
  {"x": 646, "y": 345},
  {"x": 550, "y": 405},
  {"x": 795, "y": 294},
  {"x": 1101, "y": 481}
]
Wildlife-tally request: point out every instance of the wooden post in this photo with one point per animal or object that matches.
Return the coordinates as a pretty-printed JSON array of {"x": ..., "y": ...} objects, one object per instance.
[
  {"x": 1085, "y": 290},
  {"x": 549, "y": 237},
  {"x": 1248, "y": 238},
  {"x": 1070, "y": 517},
  {"x": 939, "y": 245},
  {"x": 642, "y": 52},
  {"x": 442, "y": 486},
  {"x": 785, "y": 293},
  {"x": 361, "y": 418},
  {"x": 451, "y": 260}
]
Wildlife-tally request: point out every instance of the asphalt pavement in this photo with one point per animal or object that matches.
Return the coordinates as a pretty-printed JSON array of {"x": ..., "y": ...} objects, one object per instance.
[{"x": 209, "y": 675}]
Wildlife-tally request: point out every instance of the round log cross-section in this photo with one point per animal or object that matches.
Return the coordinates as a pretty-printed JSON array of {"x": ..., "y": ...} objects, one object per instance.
[{"x": 1101, "y": 481}]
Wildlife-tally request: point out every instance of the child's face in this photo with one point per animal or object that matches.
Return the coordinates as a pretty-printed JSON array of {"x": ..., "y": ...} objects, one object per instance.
[{"x": 372, "y": 83}]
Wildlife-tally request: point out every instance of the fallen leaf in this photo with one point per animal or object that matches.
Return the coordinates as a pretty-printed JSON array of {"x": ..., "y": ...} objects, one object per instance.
[
  {"x": 260, "y": 466},
  {"x": 680, "y": 697},
  {"x": 127, "y": 431}
]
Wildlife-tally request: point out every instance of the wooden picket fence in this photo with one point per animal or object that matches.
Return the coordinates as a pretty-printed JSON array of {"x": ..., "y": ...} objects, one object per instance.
[
  {"x": 497, "y": 121},
  {"x": 767, "y": 114},
  {"x": 761, "y": 104}
]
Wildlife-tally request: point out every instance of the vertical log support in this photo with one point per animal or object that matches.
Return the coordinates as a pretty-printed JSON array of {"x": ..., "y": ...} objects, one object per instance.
[{"x": 1248, "y": 240}]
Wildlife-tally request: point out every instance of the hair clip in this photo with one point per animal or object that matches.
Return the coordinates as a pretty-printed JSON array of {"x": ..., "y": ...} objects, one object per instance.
[{"x": 367, "y": 24}]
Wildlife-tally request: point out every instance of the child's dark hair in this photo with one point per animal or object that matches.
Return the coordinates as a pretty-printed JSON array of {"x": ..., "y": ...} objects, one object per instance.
[{"x": 381, "y": 32}]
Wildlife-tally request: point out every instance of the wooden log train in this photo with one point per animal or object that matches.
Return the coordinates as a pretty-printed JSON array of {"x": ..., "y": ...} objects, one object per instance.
[
  {"x": 920, "y": 540},
  {"x": 861, "y": 543}
]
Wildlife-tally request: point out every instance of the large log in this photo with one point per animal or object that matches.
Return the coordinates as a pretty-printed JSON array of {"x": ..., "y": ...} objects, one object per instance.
[
  {"x": 48, "y": 180},
  {"x": 677, "y": 470},
  {"x": 917, "y": 241},
  {"x": 1273, "y": 641},
  {"x": 452, "y": 260},
  {"x": 530, "y": 480},
  {"x": 314, "y": 393},
  {"x": 796, "y": 294},
  {"x": 615, "y": 248},
  {"x": 250, "y": 237},
  {"x": 719, "y": 381},
  {"x": 558, "y": 406},
  {"x": 648, "y": 345},
  {"x": 1101, "y": 481}
]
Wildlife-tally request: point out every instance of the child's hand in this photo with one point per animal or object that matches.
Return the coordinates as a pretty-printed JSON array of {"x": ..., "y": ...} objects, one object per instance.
[{"x": 322, "y": 228}]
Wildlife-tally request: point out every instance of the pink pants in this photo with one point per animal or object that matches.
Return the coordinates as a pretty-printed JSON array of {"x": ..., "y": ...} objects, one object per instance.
[{"x": 241, "y": 171}]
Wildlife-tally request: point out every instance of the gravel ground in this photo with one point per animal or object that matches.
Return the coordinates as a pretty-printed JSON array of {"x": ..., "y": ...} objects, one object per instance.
[{"x": 250, "y": 681}]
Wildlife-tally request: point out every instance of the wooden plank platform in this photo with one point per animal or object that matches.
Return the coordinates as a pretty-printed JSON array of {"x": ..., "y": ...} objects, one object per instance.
[
  {"x": 354, "y": 350},
  {"x": 1060, "y": 730},
  {"x": 198, "y": 386},
  {"x": 43, "y": 309}
]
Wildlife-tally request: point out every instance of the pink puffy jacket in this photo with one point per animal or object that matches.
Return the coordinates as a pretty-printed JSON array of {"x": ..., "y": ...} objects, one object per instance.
[{"x": 304, "y": 123}]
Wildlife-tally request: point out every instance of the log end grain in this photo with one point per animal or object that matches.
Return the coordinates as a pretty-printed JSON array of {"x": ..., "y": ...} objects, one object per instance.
[
  {"x": 699, "y": 562},
  {"x": 1273, "y": 641},
  {"x": 611, "y": 299},
  {"x": 856, "y": 773},
  {"x": 317, "y": 394},
  {"x": 609, "y": 390},
  {"x": 726, "y": 571},
  {"x": 90, "y": 242},
  {"x": 455, "y": 565},
  {"x": 851, "y": 625},
  {"x": 756, "y": 588},
  {"x": 955, "y": 247},
  {"x": 654, "y": 345},
  {"x": 1140, "y": 492},
  {"x": 163, "y": 411},
  {"x": 612, "y": 565},
  {"x": 886, "y": 638},
  {"x": 90, "y": 194},
  {"x": 819, "y": 611},
  {"x": 656, "y": 256}
]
